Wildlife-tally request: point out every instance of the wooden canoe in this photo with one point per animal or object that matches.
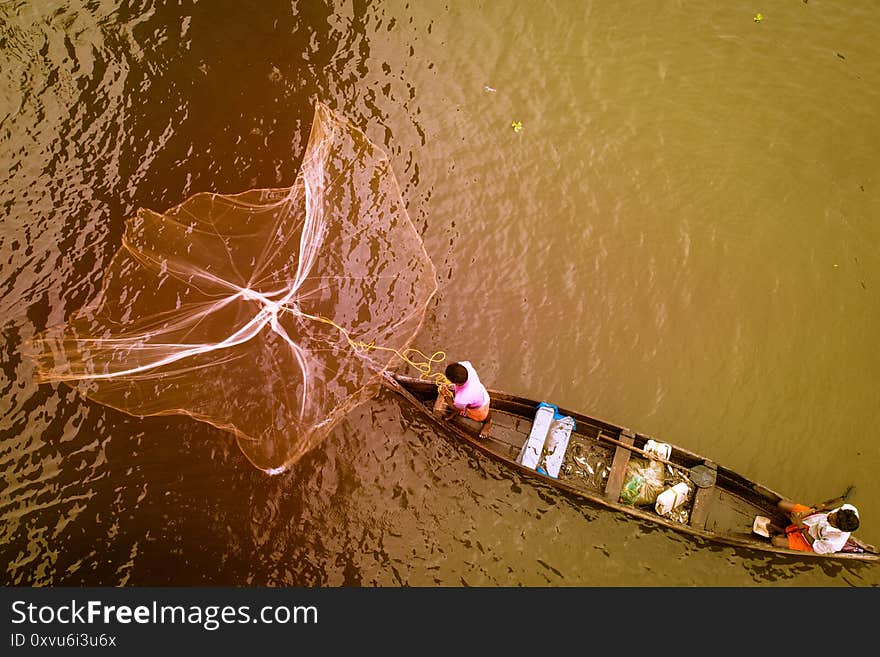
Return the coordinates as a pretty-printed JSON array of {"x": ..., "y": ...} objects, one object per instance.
[{"x": 721, "y": 505}]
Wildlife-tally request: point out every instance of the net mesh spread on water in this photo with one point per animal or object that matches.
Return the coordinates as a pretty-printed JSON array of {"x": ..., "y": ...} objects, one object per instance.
[{"x": 241, "y": 310}]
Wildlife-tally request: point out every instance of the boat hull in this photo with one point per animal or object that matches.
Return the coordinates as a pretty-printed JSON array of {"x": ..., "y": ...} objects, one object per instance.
[{"x": 721, "y": 509}]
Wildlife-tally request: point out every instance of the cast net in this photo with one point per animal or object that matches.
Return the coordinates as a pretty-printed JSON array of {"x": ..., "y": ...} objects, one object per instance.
[{"x": 252, "y": 311}]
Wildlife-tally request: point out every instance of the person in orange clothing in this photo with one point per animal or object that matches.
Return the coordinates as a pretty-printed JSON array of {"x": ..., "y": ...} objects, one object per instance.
[{"x": 813, "y": 530}]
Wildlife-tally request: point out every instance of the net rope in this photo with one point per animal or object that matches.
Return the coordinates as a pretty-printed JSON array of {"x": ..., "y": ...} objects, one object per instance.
[{"x": 423, "y": 364}]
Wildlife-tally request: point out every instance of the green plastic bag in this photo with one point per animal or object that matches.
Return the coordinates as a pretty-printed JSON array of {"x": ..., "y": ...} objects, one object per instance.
[{"x": 632, "y": 489}]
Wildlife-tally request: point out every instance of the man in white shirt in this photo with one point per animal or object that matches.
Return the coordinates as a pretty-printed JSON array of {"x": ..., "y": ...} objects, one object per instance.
[{"x": 811, "y": 530}]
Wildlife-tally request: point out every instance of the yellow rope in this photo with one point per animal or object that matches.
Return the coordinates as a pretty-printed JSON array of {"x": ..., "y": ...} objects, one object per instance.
[{"x": 423, "y": 365}]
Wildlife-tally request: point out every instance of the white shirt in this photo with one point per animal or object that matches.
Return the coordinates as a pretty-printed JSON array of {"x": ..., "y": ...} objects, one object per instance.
[
  {"x": 826, "y": 539},
  {"x": 472, "y": 393}
]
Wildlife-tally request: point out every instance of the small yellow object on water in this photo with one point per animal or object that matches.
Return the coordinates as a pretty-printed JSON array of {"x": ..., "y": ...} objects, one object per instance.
[
  {"x": 517, "y": 126},
  {"x": 758, "y": 18}
]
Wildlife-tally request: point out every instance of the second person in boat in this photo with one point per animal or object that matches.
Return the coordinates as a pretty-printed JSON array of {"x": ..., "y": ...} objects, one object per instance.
[{"x": 812, "y": 529}]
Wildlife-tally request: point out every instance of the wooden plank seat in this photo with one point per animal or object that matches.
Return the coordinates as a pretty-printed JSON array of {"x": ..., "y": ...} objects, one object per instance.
[
  {"x": 618, "y": 466},
  {"x": 704, "y": 498}
]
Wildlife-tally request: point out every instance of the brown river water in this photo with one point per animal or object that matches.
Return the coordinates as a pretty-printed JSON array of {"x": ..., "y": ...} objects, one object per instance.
[{"x": 682, "y": 238}]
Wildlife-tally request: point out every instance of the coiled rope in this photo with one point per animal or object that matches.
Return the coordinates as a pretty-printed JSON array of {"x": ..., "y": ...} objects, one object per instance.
[{"x": 413, "y": 357}]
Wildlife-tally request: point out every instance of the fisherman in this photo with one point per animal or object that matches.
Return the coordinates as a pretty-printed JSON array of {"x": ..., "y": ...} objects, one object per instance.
[
  {"x": 469, "y": 396},
  {"x": 812, "y": 530}
]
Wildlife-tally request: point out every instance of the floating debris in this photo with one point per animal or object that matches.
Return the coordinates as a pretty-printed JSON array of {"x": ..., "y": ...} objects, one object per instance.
[
  {"x": 489, "y": 89},
  {"x": 758, "y": 18},
  {"x": 517, "y": 126}
]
